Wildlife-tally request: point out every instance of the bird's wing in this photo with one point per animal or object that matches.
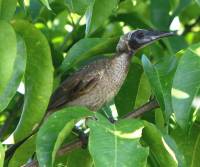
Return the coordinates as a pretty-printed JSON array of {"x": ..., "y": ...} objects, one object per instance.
[{"x": 78, "y": 84}]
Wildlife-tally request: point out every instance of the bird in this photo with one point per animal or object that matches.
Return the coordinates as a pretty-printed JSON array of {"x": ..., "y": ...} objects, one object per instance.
[{"x": 97, "y": 83}]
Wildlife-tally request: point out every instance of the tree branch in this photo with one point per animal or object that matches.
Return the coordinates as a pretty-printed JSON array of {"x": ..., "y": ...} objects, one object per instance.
[
  {"x": 141, "y": 110},
  {"x": 77, "y": 143},
  {"x": 188, "y": 27}
]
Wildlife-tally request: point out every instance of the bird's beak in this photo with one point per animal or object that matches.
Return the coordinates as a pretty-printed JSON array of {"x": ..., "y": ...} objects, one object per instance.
[
  {"x": 146, "y": 37},
  {"x": 152, "y": 36}
]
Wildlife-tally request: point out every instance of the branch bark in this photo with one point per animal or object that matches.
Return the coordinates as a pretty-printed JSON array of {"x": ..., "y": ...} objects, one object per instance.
[
  {"x": 77, "y": 143},
  {"x": 141, "y": 110}
]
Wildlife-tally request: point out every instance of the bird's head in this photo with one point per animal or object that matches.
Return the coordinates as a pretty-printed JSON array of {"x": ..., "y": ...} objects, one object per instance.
[{"x": 135, "y": 40}]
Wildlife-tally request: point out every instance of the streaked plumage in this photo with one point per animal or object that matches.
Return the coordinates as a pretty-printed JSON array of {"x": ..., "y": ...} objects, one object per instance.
[{"x": 98, "y": 82}]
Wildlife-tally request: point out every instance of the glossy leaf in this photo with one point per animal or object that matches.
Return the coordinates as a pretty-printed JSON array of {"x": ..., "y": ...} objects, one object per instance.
[
  {"x": 177, "y": 152},
  {"x": 54, "y": 130},
  {"x": 125, "y": 99},
  {"x": 189, "y": 144},
  {"x": 38, "y": 79},
  {"x": 132, "y": 19},
  {"x": 87, "y": 48},
  {"x": 17, "y": 74},
  {"x": 160, "y": 77},
  {"x": 160, "y": 14},
  {"x": 78, "y": 157},
  {"x": 70, "y": 158},
  {"x": 35, "y": 8},
  {"x": 180, "y": 7},
  {"x": 2, "y": 155},
  {"x": 177, "y": 43},
  {"x": 162, "y": 152},
  {"x": 98, "y": 12},
  {"x": 8, "y": 50},
  {"x": 166, "y": 68},
  {"x": 46, "y": 3},
  {"x": 116, "y": 144},
  {"x": 23, "y": 153},
  {"x": 78, "y": 6},
  {"x": 153, "y": 79},
  {"x": 198, "y": 2},
  {"x": 7, "y": 9},
  {"x": 144, "y": 91},
  {"x": 186, "y": 84}
]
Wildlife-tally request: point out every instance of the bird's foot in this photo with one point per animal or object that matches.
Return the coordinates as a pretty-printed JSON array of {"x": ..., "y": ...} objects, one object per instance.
[
  {"x": 112, "y": 120},
  {"x": 82, "y": 136}
]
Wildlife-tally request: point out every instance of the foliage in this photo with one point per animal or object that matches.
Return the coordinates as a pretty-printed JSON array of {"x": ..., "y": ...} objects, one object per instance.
[{"x": 44, "y": 41}]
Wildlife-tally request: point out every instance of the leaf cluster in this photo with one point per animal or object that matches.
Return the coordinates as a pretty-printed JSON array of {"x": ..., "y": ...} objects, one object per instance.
[{"x": 44, "y": 41}]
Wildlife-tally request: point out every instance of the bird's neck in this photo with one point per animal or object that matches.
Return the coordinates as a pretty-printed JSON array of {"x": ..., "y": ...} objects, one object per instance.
[
  {"x": 120, "y": 63},
  {"x": 123, "y": 58}
]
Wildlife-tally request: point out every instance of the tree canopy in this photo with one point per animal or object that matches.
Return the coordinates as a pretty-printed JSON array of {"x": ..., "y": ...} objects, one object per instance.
[{"x": 42, "y": 42}]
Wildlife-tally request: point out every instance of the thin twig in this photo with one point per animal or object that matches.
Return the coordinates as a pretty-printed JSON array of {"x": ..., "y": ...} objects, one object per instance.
[
  {"x": 77, "y": 143},
  {"x": 71, "y": 18},
  {"x": 141, "y": 110},
  {"x": 70, "y": 147},
  {"x": 68, "y": 35},
  {"x": 188, "y": 27}
]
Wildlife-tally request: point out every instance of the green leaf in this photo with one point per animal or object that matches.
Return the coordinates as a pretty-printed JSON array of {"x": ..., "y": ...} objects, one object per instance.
[
  {"x": 160, "y": 77},
  {"x": 160, "y": 14},
  {"x": 2, "y": 155},
  {"x": 198, "y": 2},
  {"x": 52, "y": 133},
  {"x": 87, "y": 48},
  {"x": 78, "y": 6},
  {"x": 46, "y": 3},
  {"x": 117, "y": 144},
  {"x": 7, "y": 9},
  {"x": 162, "y": 152},
  {"x": 177, "y": 43},
  {"x": 144, "y": 91},
  {"x": 186, "y": 84},
  {"x": 17, "y": 74},
  {"x": 153, "y": 77},
  {"x": 98, "y": 12},
  {"x": 189, "y": 144},
  {"x": 125, "y": 99},
  {"x": 132, "y": 19},
  {"x": 8, "y": 50},
  {"x": 180, "y": 7},
  {"x": 23, "y": 153},
  {"x": 177, "y": 152},
  {"x": 166, "y": 70},
  {"x": 70, "y": 159},
  {"x": 38, "y": 79}
]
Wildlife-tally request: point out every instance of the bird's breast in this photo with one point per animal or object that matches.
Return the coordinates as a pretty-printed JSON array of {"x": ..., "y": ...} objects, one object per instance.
[{"x": 113, "y": 76}]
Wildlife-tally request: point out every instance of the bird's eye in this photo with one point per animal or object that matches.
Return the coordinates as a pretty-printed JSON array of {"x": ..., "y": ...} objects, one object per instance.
[{"x": 140, "y": 35}]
